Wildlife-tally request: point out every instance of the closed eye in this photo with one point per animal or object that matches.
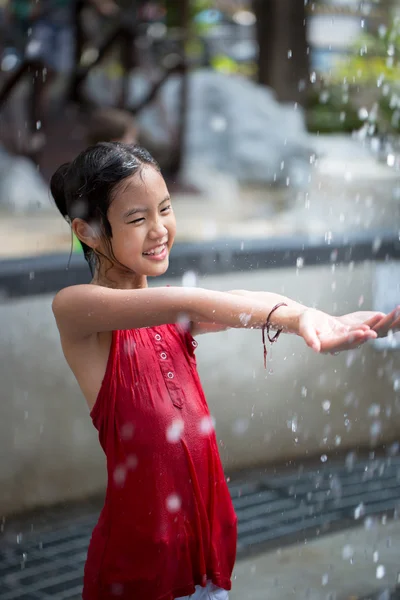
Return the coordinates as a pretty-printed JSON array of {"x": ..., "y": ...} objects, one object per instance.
[{"x": 166, "y": 209}]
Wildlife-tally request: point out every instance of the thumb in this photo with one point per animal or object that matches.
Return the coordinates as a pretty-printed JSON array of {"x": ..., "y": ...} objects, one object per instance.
[{"x": 309, "y": 334}]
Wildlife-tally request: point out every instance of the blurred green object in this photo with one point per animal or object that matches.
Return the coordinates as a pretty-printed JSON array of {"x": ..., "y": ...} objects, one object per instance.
[
  {"x": 331, "y": 111},
  {"x": 76, "y": 245},
  {"x": 374, "y": 67}
]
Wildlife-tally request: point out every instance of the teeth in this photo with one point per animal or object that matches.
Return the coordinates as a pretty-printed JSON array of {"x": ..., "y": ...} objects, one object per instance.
[{"x": 155, "y": 252}]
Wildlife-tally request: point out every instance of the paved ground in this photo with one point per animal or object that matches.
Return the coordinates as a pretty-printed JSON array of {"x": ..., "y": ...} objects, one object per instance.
[
  {"x": 362, "y": 563},
  {"x": 317, "y": 533}
]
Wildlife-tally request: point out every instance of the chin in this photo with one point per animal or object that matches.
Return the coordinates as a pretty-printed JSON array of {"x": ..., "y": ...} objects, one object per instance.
[{"x": 158, "y": 270}]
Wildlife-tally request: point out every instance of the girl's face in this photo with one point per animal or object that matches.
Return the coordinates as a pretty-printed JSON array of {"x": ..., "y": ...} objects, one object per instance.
[{"x": 143, "y": 223}]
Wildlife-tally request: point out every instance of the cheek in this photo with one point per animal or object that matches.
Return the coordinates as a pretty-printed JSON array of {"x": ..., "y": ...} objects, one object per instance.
[
  {"x": 128, "y": 241},
  {"x": 172, "y": 227}
]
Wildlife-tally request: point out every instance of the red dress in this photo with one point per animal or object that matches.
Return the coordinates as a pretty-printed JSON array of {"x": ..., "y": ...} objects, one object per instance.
[{"x": 168, "y": 522}]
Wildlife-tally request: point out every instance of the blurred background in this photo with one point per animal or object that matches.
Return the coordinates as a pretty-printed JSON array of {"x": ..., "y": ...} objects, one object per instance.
[{"x": 276, "y": 124}]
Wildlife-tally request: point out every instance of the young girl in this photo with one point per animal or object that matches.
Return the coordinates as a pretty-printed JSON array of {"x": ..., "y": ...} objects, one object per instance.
[{"x": 168, "y": 528}]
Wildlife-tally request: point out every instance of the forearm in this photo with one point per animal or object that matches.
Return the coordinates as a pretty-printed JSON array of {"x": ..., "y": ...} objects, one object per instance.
[
  {"x": 251, "y": 311},
  {"x": 271, "y": 299}
]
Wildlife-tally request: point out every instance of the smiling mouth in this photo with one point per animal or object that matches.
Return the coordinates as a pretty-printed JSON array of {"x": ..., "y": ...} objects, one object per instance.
[{"x": 156, "y": 251}]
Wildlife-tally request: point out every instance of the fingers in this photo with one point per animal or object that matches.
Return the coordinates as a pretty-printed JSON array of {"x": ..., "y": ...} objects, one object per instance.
[
  {"x": 347, "y": 341},
  {"x": 309, "y": 334},
  {"x": 390, "y": 321},
  {"x": 310, "y": 337},
  {"x": 374, "y": 320}
]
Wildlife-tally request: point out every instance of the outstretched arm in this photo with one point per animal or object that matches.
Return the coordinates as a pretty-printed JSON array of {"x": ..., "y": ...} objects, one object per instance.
[{"x": 84, "y": 310}]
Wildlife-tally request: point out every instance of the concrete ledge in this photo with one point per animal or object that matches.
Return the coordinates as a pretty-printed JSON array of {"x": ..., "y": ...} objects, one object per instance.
[{"x": 49, "y": 273}]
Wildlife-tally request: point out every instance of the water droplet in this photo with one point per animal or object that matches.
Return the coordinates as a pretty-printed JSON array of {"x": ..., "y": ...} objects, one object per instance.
[
  {"x": 338, "y": 440},
  {"x": 120, "y": 475},
  {"x": 117, "y": 589},
  {"x": 325, "y": 579},
  {"x": 375, "y": 556},
  {"x": 207, "y": 425},
  {"x": 359, "y": 511},
  {"x": 374, "y": 410},
  {"x": 394, "y": 449},
  {"x": 335, "y": 486},
  {"x": 304, "y": 391},
  {"x": 290, "y": 54},
  {"x": 218, "y": 123},
  {"x": 380, "y": 572},
  {"x": 127, "y": 430},
  {"x": 129, "y": 346},
  {"x": 382, "y": 30},
  {"x": 189, "y": 279},
  {"x": 240, "y": 426},
  {"x": 391, "y": 160},
  {"x": 326, "y": 405},
  {"x": 347, "y": 552},
  {"x": 173, "y": 503},
  {"x": 300, "y": 262},
  {"x": 313, "y": 77},
  {"x": 324, "y": 458},
  {"x": 377, "y": 243},
  {"x": 363, "y": 114},
  {"x": 350, "y": 461},
  {"x": 244, "y": 319},
  {"x": 375, "y": 429},
  {"x": 369, "y": 523},
  {"x": 324, "y": 97},
  {"x": 132, "y": 462},
  {"x": 174, "y": 431}
]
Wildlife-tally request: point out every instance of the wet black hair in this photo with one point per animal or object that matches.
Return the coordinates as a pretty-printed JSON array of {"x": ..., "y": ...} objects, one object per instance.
[{"x": 85, "y": 187}]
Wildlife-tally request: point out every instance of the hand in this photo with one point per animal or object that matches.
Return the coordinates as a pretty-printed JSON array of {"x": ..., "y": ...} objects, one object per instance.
[{"x": 324, "y": 333}]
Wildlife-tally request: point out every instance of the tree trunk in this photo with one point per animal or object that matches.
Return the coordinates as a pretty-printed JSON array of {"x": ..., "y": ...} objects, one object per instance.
[{"x": 283, "y": 49}]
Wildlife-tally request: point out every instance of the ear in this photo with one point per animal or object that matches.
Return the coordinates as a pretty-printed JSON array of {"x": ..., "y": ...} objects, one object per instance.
[{"x": 86, "y": 233}]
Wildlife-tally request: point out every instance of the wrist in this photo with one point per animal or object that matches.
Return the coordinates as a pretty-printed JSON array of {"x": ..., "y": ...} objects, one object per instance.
[{"x": 288, "y": 318}]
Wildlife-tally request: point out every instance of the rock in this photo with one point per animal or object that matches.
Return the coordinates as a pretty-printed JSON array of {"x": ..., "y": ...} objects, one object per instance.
[
  {"x": 21, "y": 187},
  {"x": 233, "y": 125}
]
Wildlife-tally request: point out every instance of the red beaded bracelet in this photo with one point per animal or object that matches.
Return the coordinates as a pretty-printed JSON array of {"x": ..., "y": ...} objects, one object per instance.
[{"x": 267, "y": 327}]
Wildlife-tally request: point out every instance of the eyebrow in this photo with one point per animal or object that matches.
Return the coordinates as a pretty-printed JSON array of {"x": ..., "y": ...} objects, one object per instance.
[{"x": 138, "y": 209}]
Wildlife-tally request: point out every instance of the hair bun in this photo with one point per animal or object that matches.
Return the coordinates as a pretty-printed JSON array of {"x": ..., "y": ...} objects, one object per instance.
[{"x": 57, "y": 188}]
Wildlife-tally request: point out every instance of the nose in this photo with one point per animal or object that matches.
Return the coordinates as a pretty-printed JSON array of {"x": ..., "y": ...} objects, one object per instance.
[{"x": 158, "y": 230}]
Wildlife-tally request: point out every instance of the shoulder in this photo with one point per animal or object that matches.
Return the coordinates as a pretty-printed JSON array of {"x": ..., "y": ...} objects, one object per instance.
[{"x": 74, "y": 293}]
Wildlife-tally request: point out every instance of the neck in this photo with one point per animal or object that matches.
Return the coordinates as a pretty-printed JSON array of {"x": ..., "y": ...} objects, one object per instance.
[{"x": 115, "y": 278}]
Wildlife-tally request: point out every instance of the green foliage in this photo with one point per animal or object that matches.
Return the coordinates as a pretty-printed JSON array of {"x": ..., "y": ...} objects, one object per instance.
[
  {"x": 174, "y": 10},
  {"x": 330, "y": 111},
  {"x": 374, "y": 63}
]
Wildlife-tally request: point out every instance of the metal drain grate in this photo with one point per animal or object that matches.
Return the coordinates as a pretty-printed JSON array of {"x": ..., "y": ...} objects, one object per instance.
[{"x": 271, "y": 510}]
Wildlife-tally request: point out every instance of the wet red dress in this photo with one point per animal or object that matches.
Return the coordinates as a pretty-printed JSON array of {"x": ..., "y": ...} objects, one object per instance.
[{"x": 168, "y": 522}]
